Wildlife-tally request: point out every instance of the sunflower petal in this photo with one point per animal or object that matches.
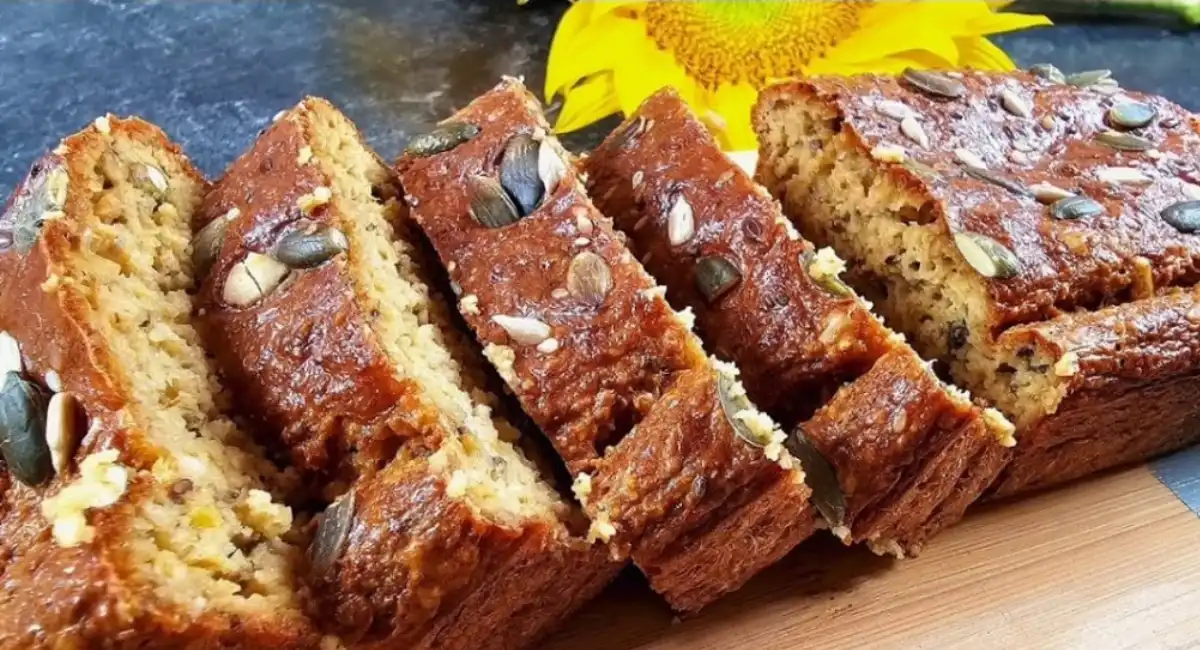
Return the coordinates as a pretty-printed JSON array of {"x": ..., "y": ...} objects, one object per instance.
[
  {"x": 588, "y": 102},
  {"x": 982, "y": 54},
  {"x": 644, "y": 70},
  {"x": 593, "y": 49},
  {"x": 728, "y": 116},
  {"x": 993, "y": 23}
]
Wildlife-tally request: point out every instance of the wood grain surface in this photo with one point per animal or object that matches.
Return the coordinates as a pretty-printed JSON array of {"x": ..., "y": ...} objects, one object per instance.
[{"x": 1113, "y": 562}]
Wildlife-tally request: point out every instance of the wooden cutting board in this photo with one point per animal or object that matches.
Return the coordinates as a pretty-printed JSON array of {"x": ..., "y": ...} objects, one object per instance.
[{"x": 1112, "y": 562}]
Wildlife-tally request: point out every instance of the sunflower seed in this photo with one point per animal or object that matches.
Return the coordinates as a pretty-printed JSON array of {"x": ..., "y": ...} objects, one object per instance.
[
  {"x": 1184, "y": 217},
  {"x": 253, "y": 279},
  {"x": 41, "y": 201},
  {"x": 629, "y": 133},
  {"x": 1106, "y": 87},
  {"x": 333, "y": 528},
  {"x": 681, "y": 223},
  {"x": 548, "y": 346},
  {"x": 888, "y": 153},
  {"x": 150, "y": 180},
  {"x": 1013, "y": 103},
  {"x": 821, "y": 477},
  {"x": 987, "y": 256},
  {"x": 1191, "y": 191},
  {"x": 1048, "y": 72},
  {"x": 911, "y": 128},
  {"x": 921, "y": 169},
  {"x": 826, "y": 279},
  {"x": 894, "y": 109},
  {"x": 589, "y": 277},
  {"x": 310, "y": 247},
  {"x": 1088, "y": 78},
  {"x": 53, "y": 381},
  {"x": 62, "y": 434},
  {"x": 443, "y": 138},
  {"x": 716, "y": 276},
  {"x": 551, "y": 167},
  {"x": 1018, "y": 157},
  {"x": 997, "y": 179},
  {"x": 206, "y": 245},
  {"x": 23, "y": 407},
  {"x": 733, "y": 401},
  {"x": 637, "y": 179},
  {"x": 1075, "y": 207},
  {"x": 1048, "y": 122},
  {"x": 526, "y": 331},
  {"x": 934, "y": 83},
  {"x": 10, "y": 354},
  {"x": 1122, "y": 176},
  {"x": 1124, "y": 141},
  {"x": 1047, "y": 193},
  {"x": 969, "y": 158},
  {"x": 1131, "y": 115},
  {"x": 519, "y": 173},
  {"x": 490, "y": 205}
]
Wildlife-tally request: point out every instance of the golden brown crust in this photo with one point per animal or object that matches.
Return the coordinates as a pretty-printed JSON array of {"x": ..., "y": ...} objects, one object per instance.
[
  {"x": 420, "y": 569},
  {"x": 899, "y": 442},
  {"x": 614, "y": 361},
  {"x": 88, "y": 596}
]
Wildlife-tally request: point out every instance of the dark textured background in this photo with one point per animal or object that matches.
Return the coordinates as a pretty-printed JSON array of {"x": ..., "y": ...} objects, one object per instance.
[{"x": 212, "y": 74}]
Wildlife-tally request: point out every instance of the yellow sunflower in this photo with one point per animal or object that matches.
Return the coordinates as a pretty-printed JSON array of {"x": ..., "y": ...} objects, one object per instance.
[{"x": 609, "y": 56}]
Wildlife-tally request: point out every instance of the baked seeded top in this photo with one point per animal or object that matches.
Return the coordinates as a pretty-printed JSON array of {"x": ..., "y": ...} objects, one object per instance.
[{"x": 1061, "y": 192}]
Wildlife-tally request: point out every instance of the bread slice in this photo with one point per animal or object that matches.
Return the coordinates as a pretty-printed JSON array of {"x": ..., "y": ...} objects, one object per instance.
[
  {"x": 675, "y": 468},
  {"x": 908, "y": 453},
  {"x": 140, "y": 516},
  {"x": 1003, "y": 221},
  {"x": 319, "y": 308}
]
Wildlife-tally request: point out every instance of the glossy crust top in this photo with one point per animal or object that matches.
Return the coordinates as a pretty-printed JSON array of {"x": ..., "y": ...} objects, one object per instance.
[
  {"x": 610, "y": 391},
  {"x": 87, "y": 596},
  {"x": 1065, "y": 264}
]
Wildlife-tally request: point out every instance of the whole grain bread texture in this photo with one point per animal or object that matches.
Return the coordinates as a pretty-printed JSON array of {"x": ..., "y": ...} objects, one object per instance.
[
  {"x": 908, "y": 453},
  {"x": 674, "y": 466},
  {"x": 1034, "y": 231},
  {"x": 317, "y": 301},
  {"x": 133, "y": 512}
]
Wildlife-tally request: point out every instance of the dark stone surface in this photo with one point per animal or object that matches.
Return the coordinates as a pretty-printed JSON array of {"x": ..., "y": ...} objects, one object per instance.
[{"x": 212, "y": 74}]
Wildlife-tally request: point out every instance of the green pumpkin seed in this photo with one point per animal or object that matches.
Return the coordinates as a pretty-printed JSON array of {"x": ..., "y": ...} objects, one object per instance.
[
  {"x": 442, "y": 139},
  {"x": 827, "y": 281},
  {"x": 1075, "y": 207},
  {"x": 1088, "y": 78},
  {"x": 1184, "y": 217},
  {"x": 997, "y": 179},
  {"x": 206, "y": 245},
  {"x": 934, "y": 83},
  {"x": 715, "y": 277},
  {"x": 519, "y": 173},
  {"x": 23, "y": 408},
  {"x": 310, "y": 247},
  {"x": 1048, "y": 72},
  {"x": 1131, "y": 115},
  {"x": 1124, "y": 141},
  {"x": 150, "y": 180},
  {"x": 589, "y": 277},
  {"x": 821, "y": 477},
  {"x": 987, "y": 256},
  {"x": 491, "y": 206},
  {"x": 333, "y": 528},
  {"x": 732, "y": 403}
]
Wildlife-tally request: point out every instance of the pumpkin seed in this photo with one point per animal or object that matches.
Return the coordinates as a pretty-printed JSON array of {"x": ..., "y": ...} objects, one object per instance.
[
  {"x": 519, "y": 173},
  {"x": 935, "y": 83},
  {"x": 681, "y": 222},
  {"x": 1184, "y": 217},
  {"x": 1048, "y": 72},
  {"x": 1075, "y": 207},
  {"x": 1124, "y": 141},
  {"x": 150, "y": 180},
  {"x": 1131, "y": 115},
  {"x": 23, "y": 407},
  {"x": 206, "y": 245},
  {"x": 253, "y": 279},
  {"x": 1047, "y": 193},
  {"x": 490, "y": 205},
  {"x": 526, "y": 331},
  {"x": 734, "y": 401},
  {"x": 1088, "y": 78},
  {"x": 333, "y": 529},
  {"x": 828, "y": 281},
  {"x": 551, "y": 167},
  {"x": 1013, "y": 103},
  {"x": 310, "y": 247},
  {"x": 443, "y": 138},
  {"x": 62, "y": 433},
  {"x": 41, "y": 201},
  {"x": 911, "y": 128},
  {"x": 821, "y": 477},
  {"x": 997, "y": 179},
  {"x": 987, "y": 256},
  {"x": 10, "y": 354},
  {"x": 589, "y": 277},
  {"x": 716, "y": 276}
]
